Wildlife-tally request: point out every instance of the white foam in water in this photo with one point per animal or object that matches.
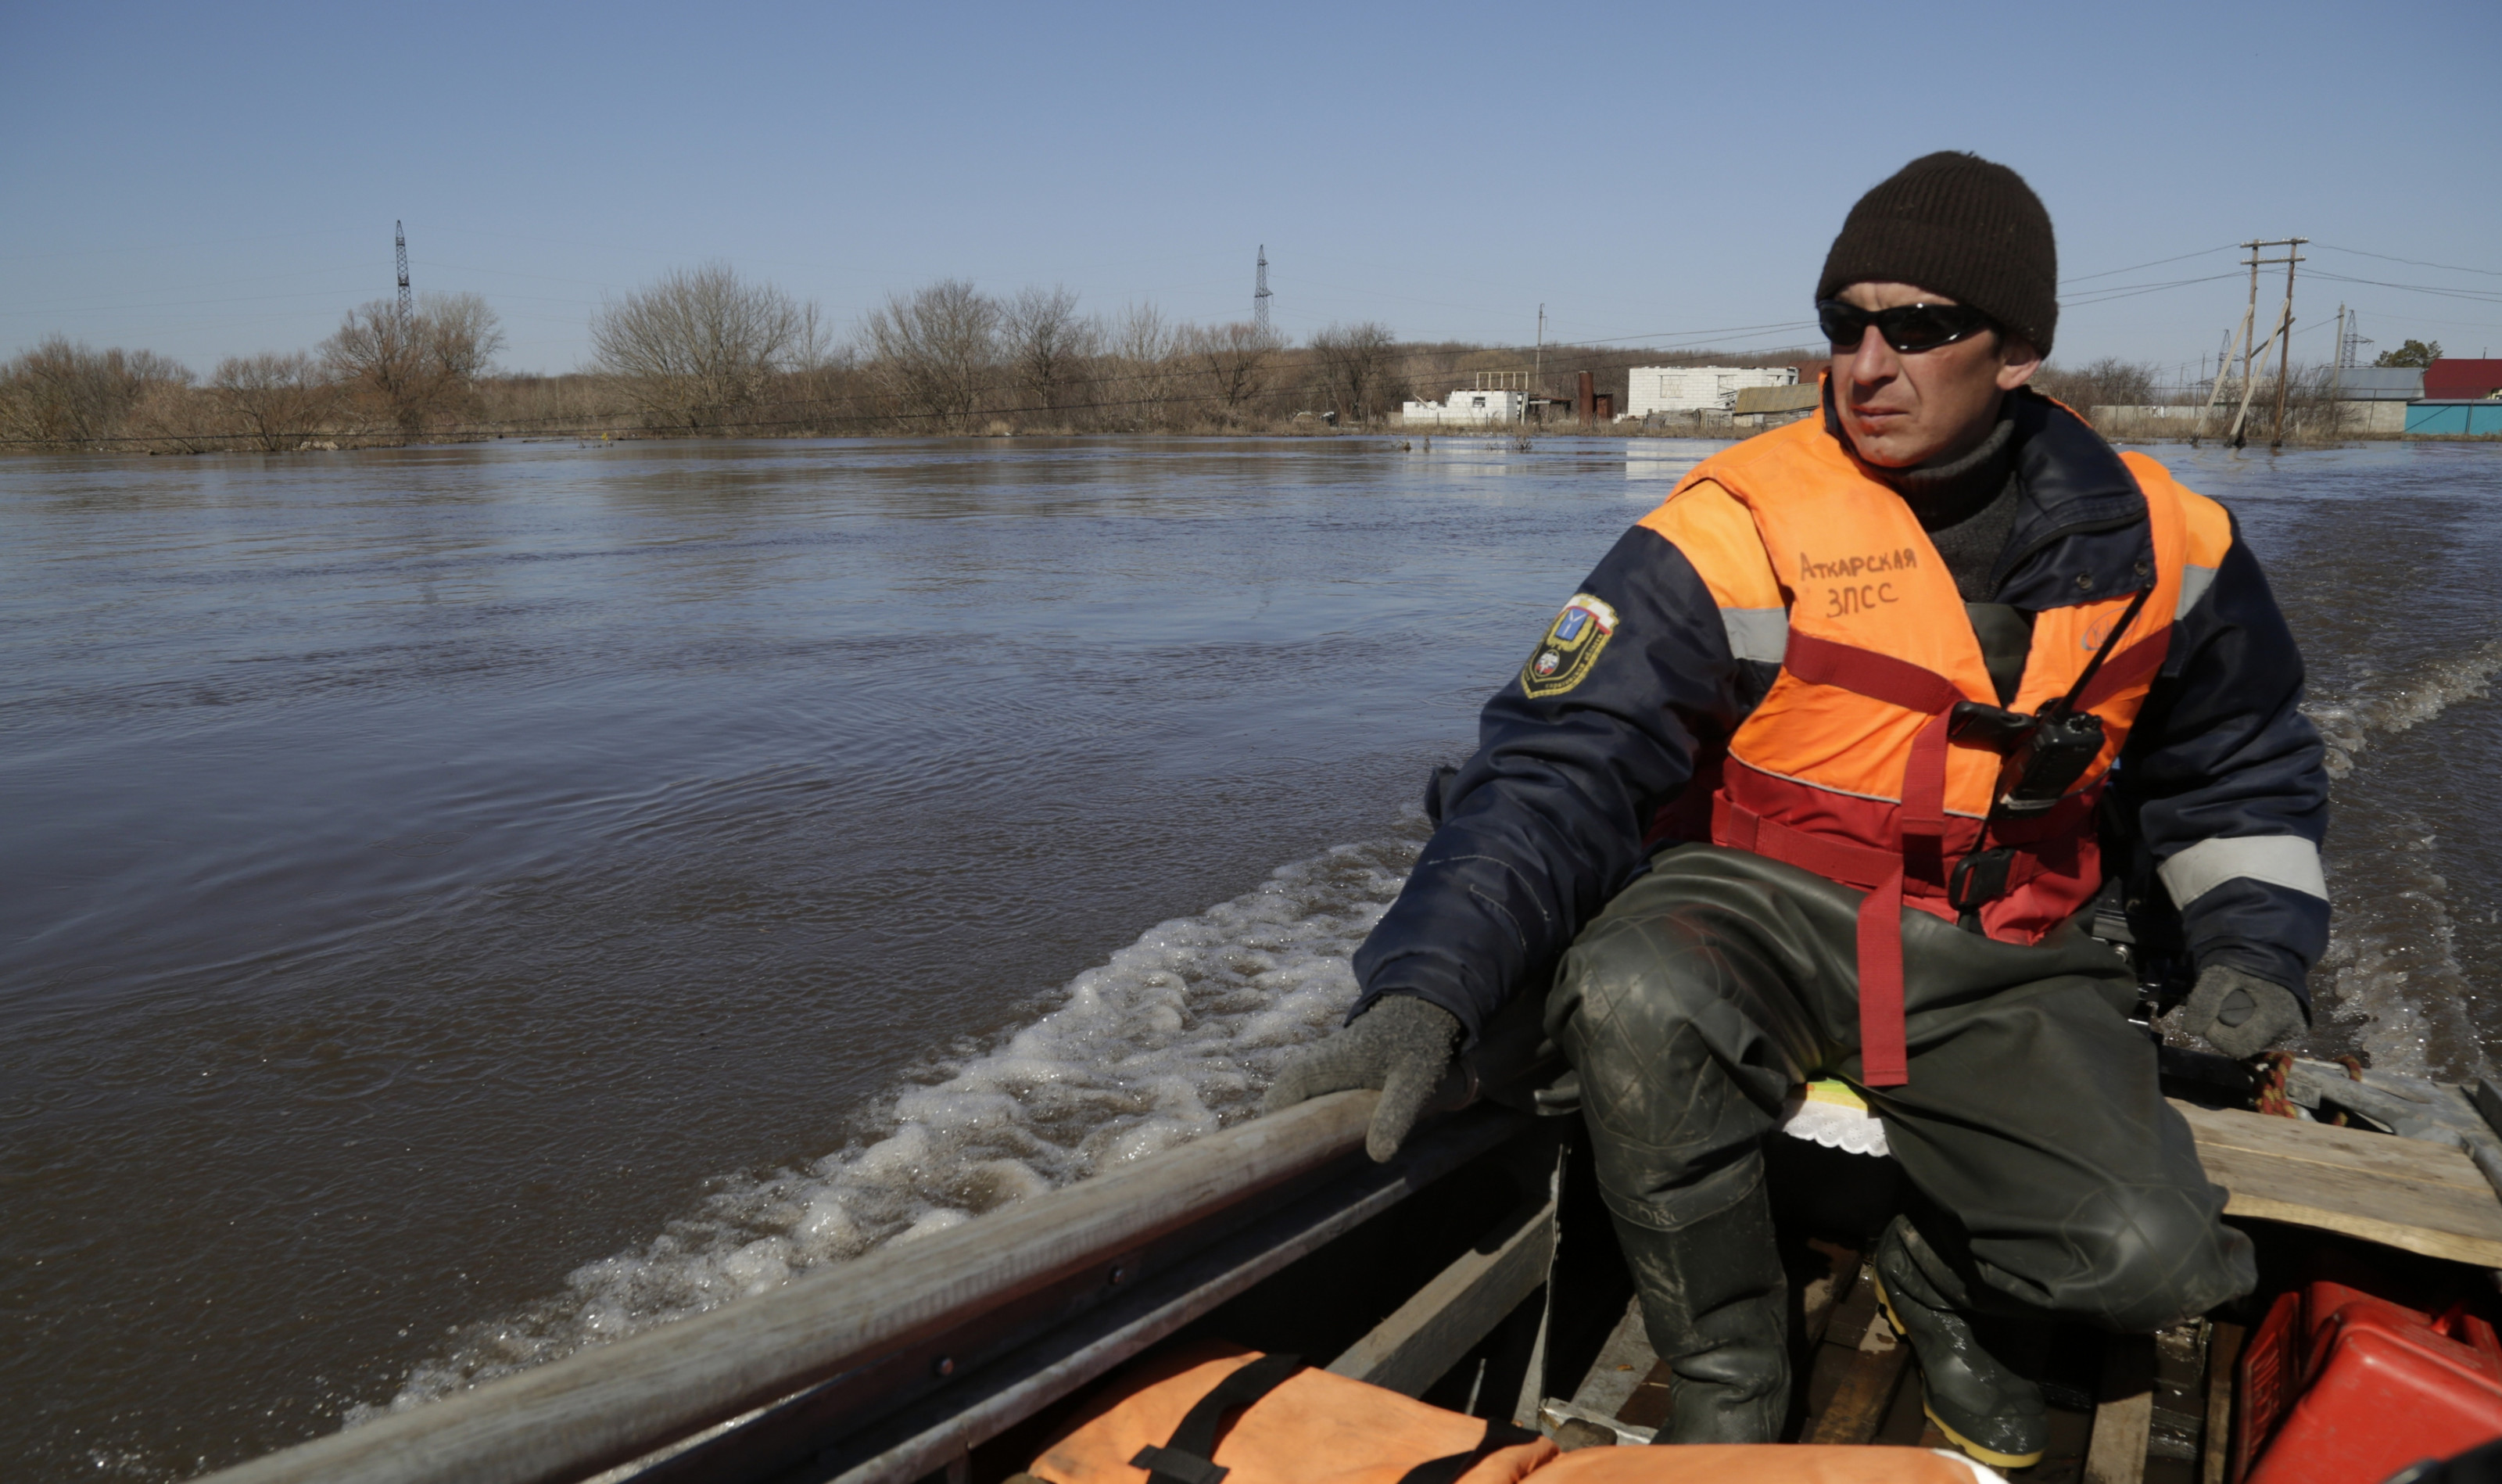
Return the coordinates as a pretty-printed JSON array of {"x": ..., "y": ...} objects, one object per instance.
[
  {"x": 1170, "y": 1039},
  {"x": 2348, "y": 728},
  {"x": 1174, "y": 1034},
  {"x": 2395, "y": 966},
  {"x": 2398, "y": 980}
]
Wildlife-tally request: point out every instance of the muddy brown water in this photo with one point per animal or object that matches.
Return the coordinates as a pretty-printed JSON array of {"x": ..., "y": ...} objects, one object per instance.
[{"x": 457, "y": 905}]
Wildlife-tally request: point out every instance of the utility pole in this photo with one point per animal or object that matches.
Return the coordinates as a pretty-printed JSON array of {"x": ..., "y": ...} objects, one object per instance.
[
  {"x": 2285, "y": 340},
  {"x": 2252, "y": 351},
  {"x": 400, "y": 240},
  {"x": 1538, "y": 364},
  {"x": 2223, "y": 369},
  {"x": 2338, "y": 369},
  {"x": 1259, "y": 295},
  {"x": 2337, "y": 375}
]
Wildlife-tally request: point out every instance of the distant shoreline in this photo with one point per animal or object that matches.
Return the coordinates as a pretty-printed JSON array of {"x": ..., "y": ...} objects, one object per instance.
[{"x": 620, "y": 428}]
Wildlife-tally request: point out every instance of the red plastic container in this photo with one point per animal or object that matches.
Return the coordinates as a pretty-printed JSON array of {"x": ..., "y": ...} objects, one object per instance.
[{"x": 2338, "y": 1386}]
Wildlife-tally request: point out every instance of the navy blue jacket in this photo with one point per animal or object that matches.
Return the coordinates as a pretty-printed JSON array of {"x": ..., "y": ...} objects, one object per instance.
[{"x": 1546, "y": 822}]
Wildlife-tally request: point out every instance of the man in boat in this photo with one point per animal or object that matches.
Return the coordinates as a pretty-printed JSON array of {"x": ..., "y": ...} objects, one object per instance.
[{"x": 1803, "y": 783}]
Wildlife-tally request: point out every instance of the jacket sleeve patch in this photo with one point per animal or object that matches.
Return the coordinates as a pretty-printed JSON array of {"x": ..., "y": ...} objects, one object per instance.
[{"x": 1571, "y": 646}]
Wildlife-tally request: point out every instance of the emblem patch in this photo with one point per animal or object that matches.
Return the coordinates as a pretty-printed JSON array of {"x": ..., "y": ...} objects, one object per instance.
[{"x": 1571, "y": 646}]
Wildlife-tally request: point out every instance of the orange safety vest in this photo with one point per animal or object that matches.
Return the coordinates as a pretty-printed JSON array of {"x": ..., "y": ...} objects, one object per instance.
[{"x": 1850, "y": 766}]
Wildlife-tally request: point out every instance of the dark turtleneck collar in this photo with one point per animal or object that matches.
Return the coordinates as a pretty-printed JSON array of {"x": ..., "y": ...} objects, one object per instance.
[
  {"x": 1949, "y": 491},
  {"x": 2071, "y": 489}
]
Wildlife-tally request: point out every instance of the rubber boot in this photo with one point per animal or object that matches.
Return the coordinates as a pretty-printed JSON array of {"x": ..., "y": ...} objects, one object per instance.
[
  {"x": 1713, "y": 1301},
  {"x": 1984, "y": 1407}
]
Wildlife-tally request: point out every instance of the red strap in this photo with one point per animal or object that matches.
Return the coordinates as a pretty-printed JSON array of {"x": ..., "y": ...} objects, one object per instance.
[
  {"x": 1882, "y": 1055},
  {"x": 1868, "y": 673},
  {"x": 1924, "y": 802},
  {"x": 1884, "y": 1058},
  {"x": 2137, "y": 662},
  {"x": 1860, "y": 867}
]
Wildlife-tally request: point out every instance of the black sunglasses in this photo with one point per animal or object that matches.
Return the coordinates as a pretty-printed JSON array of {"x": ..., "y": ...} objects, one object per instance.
[{"x": 1908, "y": 328}]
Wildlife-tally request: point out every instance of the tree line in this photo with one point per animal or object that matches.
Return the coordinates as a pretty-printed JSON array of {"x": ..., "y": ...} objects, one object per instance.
[
  {"x": 706, "y": 351},
  {"x": 385, "y": 376}
]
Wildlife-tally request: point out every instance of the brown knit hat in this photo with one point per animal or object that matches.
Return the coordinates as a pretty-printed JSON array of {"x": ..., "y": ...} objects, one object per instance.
[{"x": 1961, "y": 226}]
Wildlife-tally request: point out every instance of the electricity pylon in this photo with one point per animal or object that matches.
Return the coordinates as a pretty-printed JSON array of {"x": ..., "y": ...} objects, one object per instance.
[{"x": 399, "y": 240}]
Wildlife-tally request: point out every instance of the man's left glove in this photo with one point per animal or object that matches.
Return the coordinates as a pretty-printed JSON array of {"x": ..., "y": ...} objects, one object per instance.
[
  {"x": 1402, "y": 1045},
  {"x": 2238, "y": 1014}
]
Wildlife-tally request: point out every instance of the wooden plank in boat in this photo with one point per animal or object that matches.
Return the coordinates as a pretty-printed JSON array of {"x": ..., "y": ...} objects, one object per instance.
[
  {"x": 1620, "y": 1369},
  {"x": 1823, "y": 1273},
  {"x": 2223, "y": 1353},
  {"x": 1872, "y": 1372},
  {"x": 1408, "y": 1351},
  {"x": 2124, "y": 1413},
  {"x": 2409, "y": 1193}
]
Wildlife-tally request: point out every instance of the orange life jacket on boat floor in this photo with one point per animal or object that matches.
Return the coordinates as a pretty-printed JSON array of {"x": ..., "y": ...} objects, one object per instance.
[
  {"x": 1881, "y": 759},
  {"x": 1215, "y": 1413}
]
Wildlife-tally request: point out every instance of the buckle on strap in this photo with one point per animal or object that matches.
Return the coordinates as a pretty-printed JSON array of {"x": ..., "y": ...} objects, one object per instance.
[
  {"x": 1993, "y": 726},
  {"x": 1979, "y": 878}
]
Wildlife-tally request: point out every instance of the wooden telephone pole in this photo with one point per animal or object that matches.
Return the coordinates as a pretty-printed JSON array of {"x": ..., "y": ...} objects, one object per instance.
[{"x": 2255, "y": 354}]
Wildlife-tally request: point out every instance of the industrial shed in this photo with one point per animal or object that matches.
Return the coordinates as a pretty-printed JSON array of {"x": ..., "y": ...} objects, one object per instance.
[
  {"x": 1772, "y": 406},
  {"x": 2380, "y": 383},
  {"x": 1696, "y": 389}
]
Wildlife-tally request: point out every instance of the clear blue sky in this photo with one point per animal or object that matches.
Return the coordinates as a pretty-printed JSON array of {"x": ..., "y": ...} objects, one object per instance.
[{"x": 210, "y": 180}]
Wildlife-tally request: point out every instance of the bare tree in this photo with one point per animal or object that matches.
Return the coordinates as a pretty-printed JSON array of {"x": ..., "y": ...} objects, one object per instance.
[
  {"x": 1146, "y": 355},
  {"x": 934, "y": 350},
  {"x": 2110, "y": 382},
  {"x": 461, "y": 335},
  {"x": 1238, "y": 359},
  {"x": 702, "y": 344},
  {"x": 415, "y": 368},
  {"x": 1047, "y": 341},
  {"x": 1354, "y": 362},
  {"x": 276, "y": 398},
  {"x": 64, "y": 393}
]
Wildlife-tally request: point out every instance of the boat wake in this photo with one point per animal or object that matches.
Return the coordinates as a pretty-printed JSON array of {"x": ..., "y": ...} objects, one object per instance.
[
  {"x": 2349, "y": 727},
  {"x": 2394, "y": 985},
  {"x": 1174, "y": 1036},
  {"x": 2396, "y": 989}
]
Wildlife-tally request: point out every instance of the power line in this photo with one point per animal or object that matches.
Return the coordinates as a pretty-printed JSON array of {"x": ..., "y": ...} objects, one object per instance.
[
  {"x": 2471, "y": 295},
  {"x": 2412, "y": 262},
  {"x": 2157, "y": 263},
  {"x": 2118, "y": 292},
  {"x": 1734, "y": 329}
]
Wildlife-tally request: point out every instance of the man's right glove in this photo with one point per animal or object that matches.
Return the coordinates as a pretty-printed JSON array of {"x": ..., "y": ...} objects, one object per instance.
[
  {"x": 1402, "y": 1045},
  {"x": 2238, "y": 1014}
]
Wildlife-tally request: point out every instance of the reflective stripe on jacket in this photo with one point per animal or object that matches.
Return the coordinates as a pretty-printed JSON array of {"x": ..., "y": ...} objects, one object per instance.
[{"x": 1709, "y": 665}]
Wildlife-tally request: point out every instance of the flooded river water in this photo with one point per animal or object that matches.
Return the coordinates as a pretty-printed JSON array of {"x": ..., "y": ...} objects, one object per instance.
[{"x": 460, "y": 904}]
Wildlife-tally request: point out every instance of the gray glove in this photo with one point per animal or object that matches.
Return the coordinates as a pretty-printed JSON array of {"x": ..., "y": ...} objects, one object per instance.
[
  {"x": 2238, "y": 1014},
  {"x": 1402, "y": 1045}
]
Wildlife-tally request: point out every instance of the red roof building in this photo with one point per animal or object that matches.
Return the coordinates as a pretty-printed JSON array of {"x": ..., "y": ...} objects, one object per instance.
[{"x": 2453, "y": 379}]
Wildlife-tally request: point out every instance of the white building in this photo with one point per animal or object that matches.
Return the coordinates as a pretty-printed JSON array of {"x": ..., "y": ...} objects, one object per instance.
[
  {"x": 1467, "y": 406},
  {"x": 1696, "y": 389}
]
